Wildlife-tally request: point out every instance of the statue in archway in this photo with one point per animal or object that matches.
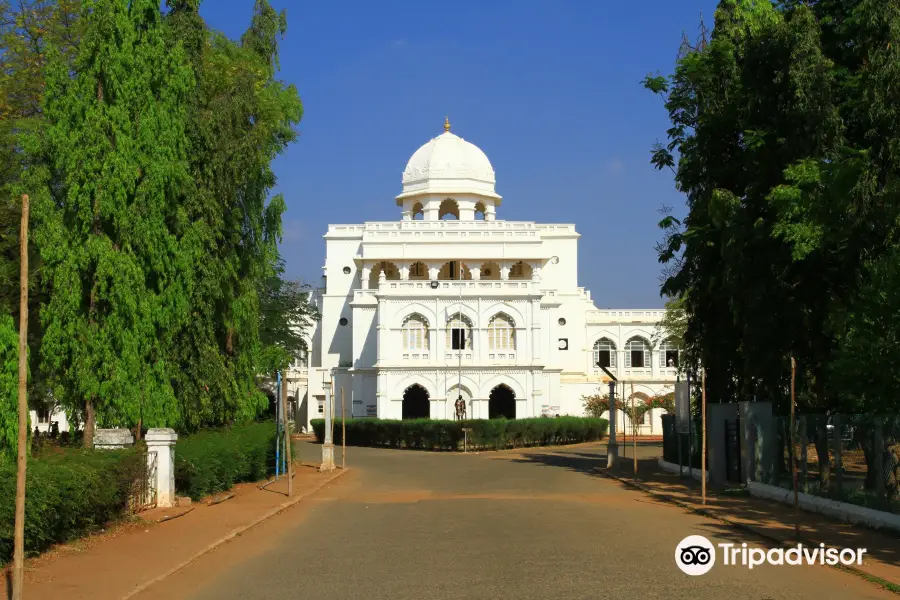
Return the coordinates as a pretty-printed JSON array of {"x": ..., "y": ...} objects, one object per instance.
[{"x": 460, "y": 408}]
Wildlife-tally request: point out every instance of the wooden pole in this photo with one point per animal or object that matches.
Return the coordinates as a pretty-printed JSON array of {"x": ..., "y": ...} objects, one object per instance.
[
  {"x": 287, "y": 436},
  {"x": 343, "y": 432},
  {"x": 19, "y": 541},
  {"x": 794, "y": 448},
  {"x": 703, "y": 433}
]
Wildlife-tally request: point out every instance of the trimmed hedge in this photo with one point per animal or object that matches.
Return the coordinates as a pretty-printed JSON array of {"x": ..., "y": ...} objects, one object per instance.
[
  {"x": 68, "y": 495},
  {"x": 214, "y": 460},
  {"x": 485, "y": 434}
]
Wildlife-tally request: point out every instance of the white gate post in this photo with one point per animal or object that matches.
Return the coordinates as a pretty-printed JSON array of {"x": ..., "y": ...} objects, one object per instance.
[{"x": 161, "y": 449}]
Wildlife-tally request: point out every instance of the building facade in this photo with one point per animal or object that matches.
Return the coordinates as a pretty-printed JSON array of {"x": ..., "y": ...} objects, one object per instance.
[{"x": 452, "y": 301}]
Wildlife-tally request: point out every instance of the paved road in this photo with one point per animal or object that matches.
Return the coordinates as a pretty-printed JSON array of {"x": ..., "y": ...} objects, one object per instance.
[{"x": 535, "y": 525}]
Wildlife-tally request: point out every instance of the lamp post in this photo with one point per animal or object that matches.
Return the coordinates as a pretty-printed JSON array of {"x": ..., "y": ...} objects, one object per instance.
[
  {"x": 328, "y": 445},
  {"x": 612, "y": 450}
]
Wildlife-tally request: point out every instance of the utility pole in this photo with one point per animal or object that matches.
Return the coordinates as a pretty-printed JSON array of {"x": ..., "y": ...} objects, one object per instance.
[
  {"x": 19, "y": 541},
  {"x": 287, "y": 436}
]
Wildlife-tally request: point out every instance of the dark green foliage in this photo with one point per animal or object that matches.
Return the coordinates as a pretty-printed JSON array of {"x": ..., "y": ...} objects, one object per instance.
[
  {"x": 214, "y": 460},
  {"x": 486, "y": 434},
  {"x": 69, "y": 495},
  {"x": 785, "y": 140}
]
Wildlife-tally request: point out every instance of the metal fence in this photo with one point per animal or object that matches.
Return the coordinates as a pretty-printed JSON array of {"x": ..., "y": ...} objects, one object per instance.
[
  {"x": 850, "y": 458},
  {"x": 690, "y": 443}
]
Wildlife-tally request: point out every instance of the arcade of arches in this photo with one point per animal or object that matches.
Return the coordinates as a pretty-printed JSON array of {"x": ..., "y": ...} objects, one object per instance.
[{"x": 501, "y": 404}]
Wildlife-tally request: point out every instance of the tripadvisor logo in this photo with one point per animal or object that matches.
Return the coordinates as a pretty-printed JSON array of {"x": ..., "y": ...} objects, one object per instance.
[{"x": 696, "y": 555}]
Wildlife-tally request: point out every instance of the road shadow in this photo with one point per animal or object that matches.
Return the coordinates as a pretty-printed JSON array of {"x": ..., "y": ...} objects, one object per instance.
[{"x": 761, "y": 518}]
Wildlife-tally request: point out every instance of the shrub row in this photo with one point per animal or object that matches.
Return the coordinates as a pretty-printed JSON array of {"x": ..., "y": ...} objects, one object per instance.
[
  {"x": 214, "y": 460},
  {"x": 67, "y": 495},
  {"x": 485, "y": 434}
]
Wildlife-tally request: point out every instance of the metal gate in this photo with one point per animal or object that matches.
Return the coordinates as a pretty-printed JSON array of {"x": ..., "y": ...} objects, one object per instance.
[
  {"x": 733, "y": 451},
  {"x": 143, "y": 487}
]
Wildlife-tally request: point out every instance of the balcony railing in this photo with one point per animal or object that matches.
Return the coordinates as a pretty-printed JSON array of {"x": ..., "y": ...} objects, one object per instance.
[
  {"x": 426, "y": 229},
  {"x": 625, "y": 316}
]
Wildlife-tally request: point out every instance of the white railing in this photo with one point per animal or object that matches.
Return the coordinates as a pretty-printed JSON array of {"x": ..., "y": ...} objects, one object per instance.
[
  {"x": 467, "y": 287},
  {"x": 501, "y": 228},
  {"x": 625, "y": 316}
]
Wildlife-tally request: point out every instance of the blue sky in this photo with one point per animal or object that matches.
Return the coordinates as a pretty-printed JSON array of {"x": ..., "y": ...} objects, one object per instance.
[{"x": 550, "y": 90}]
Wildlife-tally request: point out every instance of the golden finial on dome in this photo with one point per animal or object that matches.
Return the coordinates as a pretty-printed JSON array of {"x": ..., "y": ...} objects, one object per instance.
[{"x": 446, "y": 123}]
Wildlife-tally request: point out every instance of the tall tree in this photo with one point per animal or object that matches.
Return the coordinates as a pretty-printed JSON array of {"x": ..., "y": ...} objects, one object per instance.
[
  {"x": 241, "y": 118},
  {"x": 786, "y": 140},
  {"x": 27, "y": 28},
  {"x": 109, "y": 173}
]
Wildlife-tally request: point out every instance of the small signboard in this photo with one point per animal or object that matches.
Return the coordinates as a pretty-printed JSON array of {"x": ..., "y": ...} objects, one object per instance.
[
  {"x": 371, "y": 410},
  {"x": 682, "y": 407}
]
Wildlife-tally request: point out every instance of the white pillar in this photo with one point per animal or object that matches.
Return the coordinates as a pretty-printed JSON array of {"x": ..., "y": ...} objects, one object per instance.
[
  {"x": 505, "y": 268},
  {"x": 364, "y": 277},
  {"x": 476, "y": 273},
  {"x": 161, "y": 450},
  {"x": 328, "y": 446}
]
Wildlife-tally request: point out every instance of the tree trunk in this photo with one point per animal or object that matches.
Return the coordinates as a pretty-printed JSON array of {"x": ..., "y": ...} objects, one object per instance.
[{"x": 90, "y": 423}]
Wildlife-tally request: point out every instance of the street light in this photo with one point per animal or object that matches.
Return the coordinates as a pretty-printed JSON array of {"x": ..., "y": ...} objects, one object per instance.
[
  {"x": 328, "y": 445},
  {"x": 612, "y": 450}
]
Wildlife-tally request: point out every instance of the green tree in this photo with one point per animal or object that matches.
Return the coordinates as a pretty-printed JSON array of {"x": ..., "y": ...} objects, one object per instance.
[
  {"x": 27, "y": 28},
  {"x": 109, "y": 173},
  {"x": 241, "y": 118},
  {"x": 9, "y": 388},
  {"x": 785, "y": 138},
  {"x": 285, "y": 314}
]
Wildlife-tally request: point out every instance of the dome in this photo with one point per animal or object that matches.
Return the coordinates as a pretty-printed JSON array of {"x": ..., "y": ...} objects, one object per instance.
[{"x": 448, "y": 164}]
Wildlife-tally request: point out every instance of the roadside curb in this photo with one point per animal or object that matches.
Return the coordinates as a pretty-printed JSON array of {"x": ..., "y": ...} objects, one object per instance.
[
  {"x": 883, "y": 583},
  {"x": 233, "y": 534}
]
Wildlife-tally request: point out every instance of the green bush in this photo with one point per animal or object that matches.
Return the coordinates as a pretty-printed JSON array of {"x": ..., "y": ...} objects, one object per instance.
[
  {"x": 67, "y": 496},
  {"x": 214, "y": 460},
  {"x": 485, "y": 434}
]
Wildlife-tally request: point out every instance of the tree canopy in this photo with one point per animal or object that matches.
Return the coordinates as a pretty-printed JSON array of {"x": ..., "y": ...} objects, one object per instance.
[
  {"x": 145, "y": 140},
  {"x": 785, "y": 140}
]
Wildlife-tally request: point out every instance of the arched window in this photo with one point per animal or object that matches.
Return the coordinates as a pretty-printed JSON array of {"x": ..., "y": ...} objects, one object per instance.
[
  {"x": 490, "y": 271},
  {"x": 415, "y": 333},
  {"x": 459, "y": 333},
  {"x": 605, "y": 353},
  {"x": 501, "y": 333},
  {"x": 520, "y": 270},
  {"x": 479, "y": 211},
  {"x": 391, "y": 273},
  {"x": 637, "y": 353},
  {"x": 451, "y": 271},
  {"x": 301, "y": 361},
  {"x": 418, "y": 271},
  {"x": 448, "y": 209},
  {"x": 418, "y": 212},
  {"x": 668, "y": 354}
]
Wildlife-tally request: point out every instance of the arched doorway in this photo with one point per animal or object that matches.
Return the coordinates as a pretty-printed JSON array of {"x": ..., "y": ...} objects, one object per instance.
[
  {"x": 502, "y": 403},
  {"x": 415, "y": 403}
]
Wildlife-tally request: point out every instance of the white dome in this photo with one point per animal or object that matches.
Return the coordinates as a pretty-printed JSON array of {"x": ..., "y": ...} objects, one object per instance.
[{"x": 448, "y": 164}]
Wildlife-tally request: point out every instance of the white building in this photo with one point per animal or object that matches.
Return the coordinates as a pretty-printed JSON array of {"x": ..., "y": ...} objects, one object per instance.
[{"x": 452, "y": 300}]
